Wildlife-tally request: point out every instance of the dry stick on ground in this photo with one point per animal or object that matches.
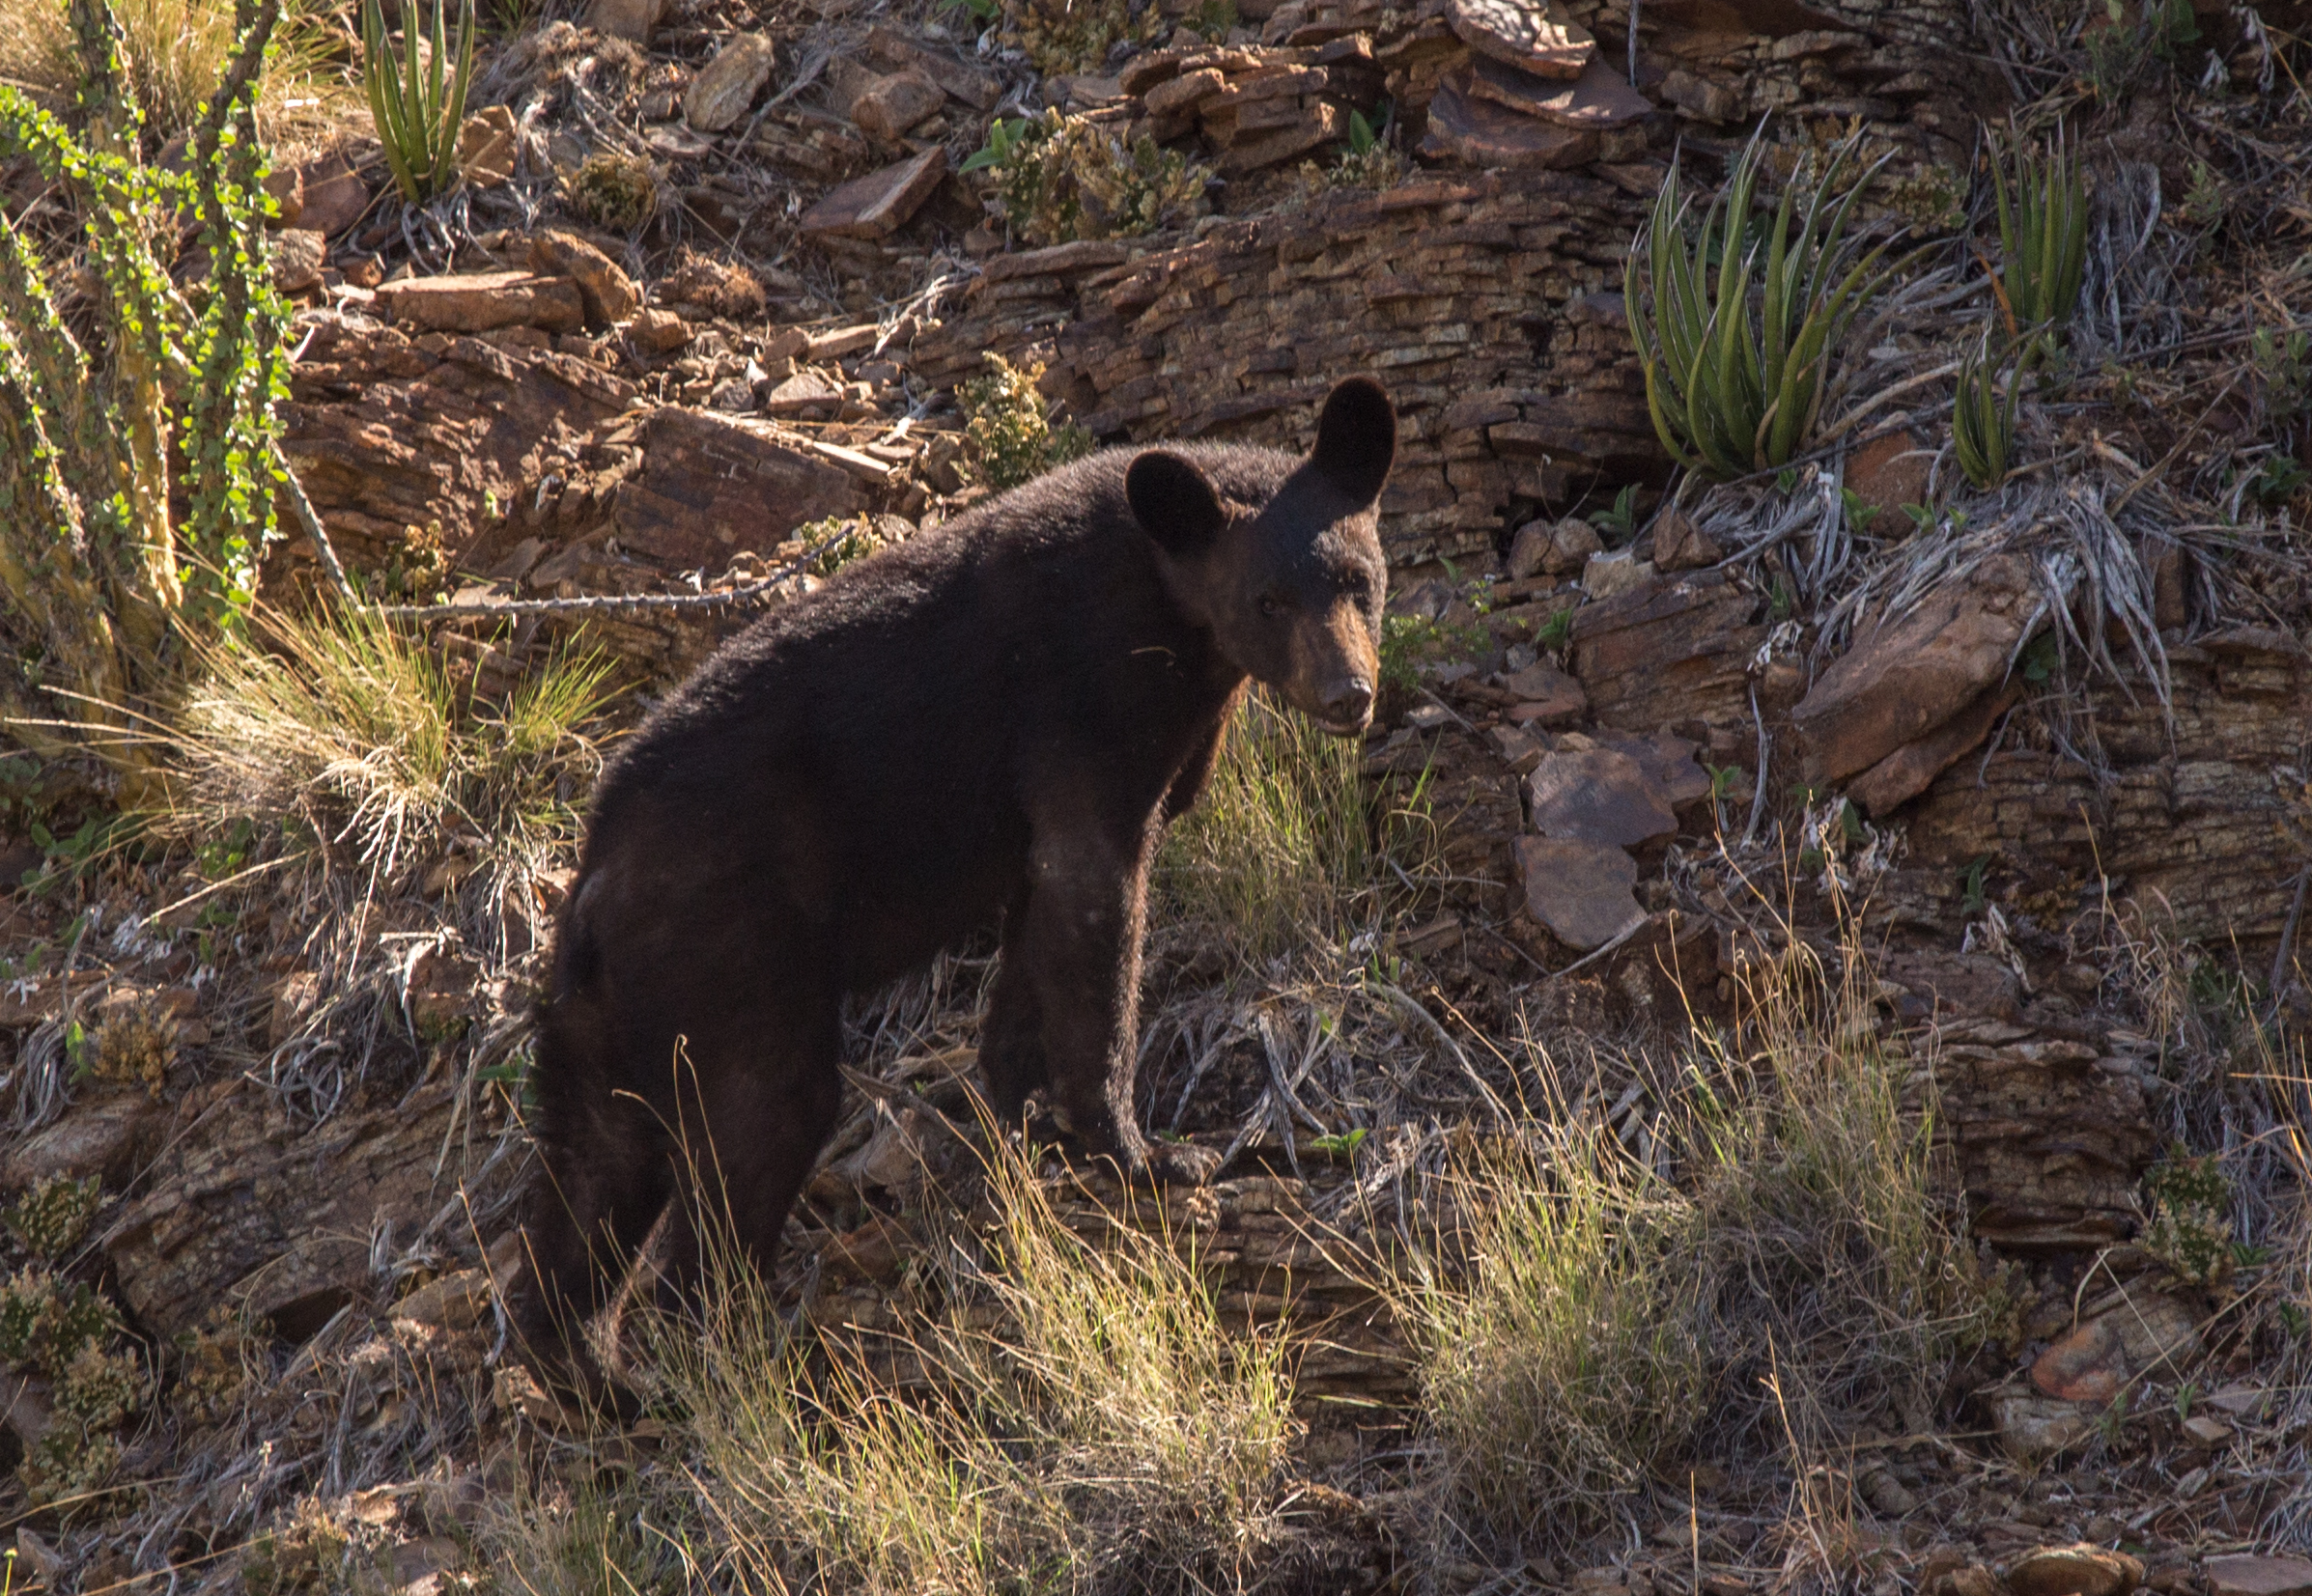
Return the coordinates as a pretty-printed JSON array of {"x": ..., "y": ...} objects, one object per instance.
[{"x": 470, "y": 610}]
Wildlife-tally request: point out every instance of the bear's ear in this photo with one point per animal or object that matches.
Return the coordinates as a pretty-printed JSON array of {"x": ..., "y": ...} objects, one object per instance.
[
  {"x": 1356, "y": 440},
  {"x": 1175, "y": 503}
]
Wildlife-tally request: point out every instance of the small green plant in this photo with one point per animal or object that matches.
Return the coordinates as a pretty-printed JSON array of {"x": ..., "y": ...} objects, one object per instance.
[
  {"x": 418, "y": 103},
  {"x": 1860, "y": 513},
  {"x": 854, "y": 538},
  {"x": 52, "y": 1217},
  {"x": 64, "y": 1333},
  {"x": 1338, "y": 1146},
  {"x": 1409, "y": 642},
  {"x": 2283, "y": 365},
  {"x": 1213, "y": 19},
  {"x": 2042, "y": 237},
  {"x": 135, "y": 1045},
  {"x": 616, "y": 192},
  {"x": 1365, "y": 160},
  {"x": 1970, "y": 886},
  {"x": 1933, "y": 200},
  {"x": 2204, "y": 201},
  {"x": 1058, "y": 177},
  {"x": 2041, "y": 658},
  {"x": 1620, "y": 522},
  {"x": 1982, "y": 422},
  {"x": 2189, "y": 1229},
  {"x": 1735, "y": 320},
  {"x": 1008, "y": 435},
  {"x": 2280, "y": 479},
  {"x": 1554, "y": 634}
]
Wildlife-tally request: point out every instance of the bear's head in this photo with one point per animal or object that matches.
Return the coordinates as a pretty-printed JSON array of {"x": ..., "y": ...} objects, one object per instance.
[{"x": 1292, "y": 589}]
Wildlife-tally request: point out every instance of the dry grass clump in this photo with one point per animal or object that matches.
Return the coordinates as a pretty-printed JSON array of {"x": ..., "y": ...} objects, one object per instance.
[
  {"x": 1771, "y": 1254},
  {"x": 174, "y": 53},
  {"x": 1287, "y": 844},
  {"x": 349, "y": 731},
  {"x": 1105, "y": 1427}
]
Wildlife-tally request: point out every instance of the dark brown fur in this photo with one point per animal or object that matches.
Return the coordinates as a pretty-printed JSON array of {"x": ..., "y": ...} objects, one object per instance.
[{"x": 991, "y": 723}]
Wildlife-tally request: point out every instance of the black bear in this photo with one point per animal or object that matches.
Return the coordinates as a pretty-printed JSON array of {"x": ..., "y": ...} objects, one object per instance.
[{"x": 991, "y": 725}]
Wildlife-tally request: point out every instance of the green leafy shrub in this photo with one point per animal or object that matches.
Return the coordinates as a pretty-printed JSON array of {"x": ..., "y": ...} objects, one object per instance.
[
  {"x": 1409, "y": 642},
  {"x": 419, "y": 102},
  {"x": 1008, "y": 435},
  {"x": 1063, "y": 37},
  {"x": 1735, "y": 320},
  {"x": 65, "y": 1333},
  {"x": 1981, "y": 423},
  {"x": 855, "y": 539},
  {"x": 100, "y": 580},
  {"x": 52, "y": 1217},
  {"x": 616, "y": 192},
  {"x": 2190, "y": 1225},
  {"x": 1059, "y": 178}
]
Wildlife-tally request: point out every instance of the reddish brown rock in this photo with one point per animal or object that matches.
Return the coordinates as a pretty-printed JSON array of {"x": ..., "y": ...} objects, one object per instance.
[
  {"x": 974, "y": 87},
  {"x": 879, "y": 204},
  {"x": 660, "y": 330},
  {"x": 1482, "y": 133},
  {"x": 711, "y": 486},
  {"x": 608, "y": 293},
  {"x": 1911, "y": 673},
  {"x": 1679, "y": 545},
  {"x": 335, "y": 197},
  {"x": 888, "y": 107},
  {"x": 1675, "y": 650},
  {"x": 298, "y": 255},
  {"x": 809, "y": 392},
  {"x": 1598, "y": 795},
  {"x": 1886, "y": 474},
  {"x": 485, "y": 151},
  {"x": 1529, "y": 34},
  {"x": 1709, "y": 101},
  {"x": 2081, "y": 1570},
  {"x": 726, "y": 85},
  {"x": 1579, "y": 892},
  {"x": 1911, "y": 769},
  {"x": 1600, "y": 97},
  {"x": 2238, "y": 1576},
  {"x": 109, "y": 1136},
  {"x": 484, "y": 300},
  {"x": 1546, "y": 697},
  {"x": 632, "y": 20}
]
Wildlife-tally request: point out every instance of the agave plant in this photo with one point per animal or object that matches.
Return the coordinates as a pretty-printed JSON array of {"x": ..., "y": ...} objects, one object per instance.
[
  {"x": 1734, "y": 322},
  {"x": 417, "y": 101},
  {"x": 1982, "y": 424},
  {"x": 2043, "y": 235}
]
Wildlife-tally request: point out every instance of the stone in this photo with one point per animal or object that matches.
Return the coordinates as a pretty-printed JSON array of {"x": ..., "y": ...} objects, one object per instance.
[
  {"x": 2094, "y": 1362},
  {"x": 298, "y": 256},
  {"x": 1679, "y": 545},
  {"x": 1673, "y": 650},
  {"x": 608, "y": 293},
  {"x": 1910, "y": 673},
  {"x": 712, "y": 486},
  {"x": 1579, "y": 892},
  {"x": 2034, "y": 1428},
  {"x": 974, "y": 87},
  {"x": 2240, "y": 1576},
  {"x": 2206, "y": 1430},
  {"x": 456, "y": 1302},
  {"x": 660, "y": 330},
  {"x": 335, "y": 197},
  {"x": 1600, "y": 97},
  {"x": 1887, "y": 473},
  {"x": 1610, "y": 575},
  {"x": 1598, "y": 795},
  {"x": 483, "y": 300},
  {"x": 1481, "y": 133},
  {"x": 1911, "y": 769},
  {"x": 108, "y": 1137},
  {"x": 629, "y": 20},
  {"x": 487, "y": 147},
  {"x": 285, "y": 186},
  {"x": 888, "y": 107},
  {"x": 879, "y": 203},
  {"x": 2081, "y": 1570},
  {"x": 1572, "y": 542},
  {"x": 1528, "y": 548},
  {"x": 1668, "y": 761},
  {"x": 1185, "y": 92},
  {"x": 1529, "y": 34},
  {"x": 1700, "y": 96},
  {"x": 1516, "y": 748},
  {"x": 726, "y": 85},
  {"x": 1546, "y": 697},
  {"x": 808, "y": 392}
]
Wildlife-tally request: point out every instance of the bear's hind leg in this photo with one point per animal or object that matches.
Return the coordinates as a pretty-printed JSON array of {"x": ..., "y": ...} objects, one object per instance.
[{"x": 1011, "y": 1036}]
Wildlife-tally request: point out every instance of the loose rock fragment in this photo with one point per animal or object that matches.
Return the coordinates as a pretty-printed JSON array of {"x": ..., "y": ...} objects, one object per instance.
[
  {"x": 1580, "y": 891},
  {"x": 1534, "y": 36},
  {"x": 888, "y": 107},
  {"x": 879, "y": 204},
  {"x": 483, "y": 300},
  {"x": 725, "y": 86},
  {"x": 1598, "y": 795}
]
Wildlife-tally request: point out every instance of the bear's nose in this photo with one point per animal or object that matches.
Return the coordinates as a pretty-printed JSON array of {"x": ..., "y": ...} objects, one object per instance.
[{"x": 1349, "y": 702}]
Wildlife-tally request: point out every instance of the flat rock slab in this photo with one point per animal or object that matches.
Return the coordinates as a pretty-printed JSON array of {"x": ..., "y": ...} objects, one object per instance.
[
  {"x": 1598, "y": 795},
  {"x": 978, "y": 89},
  {"x": 807, "y": 392},
  {"x": 725, "y": 86},
  {"x": 879, "y": 204},
  {"x": 1482, "y": 133},
  {"x": 1524, "y": 33},
  {"x": 711, "y": 486},
  {"x": 2260, "y": 1575},
  {"x": 2081, "y": 1570},
  {"x": 1911, "y": 769},
  {"x": 2094, "y": 1362},
  {"x": 889, "y": 105},
  {"x": 1546, "y": 697},
  {"x": 1580, "y": 891},
  {"x": 1668, "y": 761},
  {"x": 1600, "y": 97},
  {"x": 480, "y": 301}
]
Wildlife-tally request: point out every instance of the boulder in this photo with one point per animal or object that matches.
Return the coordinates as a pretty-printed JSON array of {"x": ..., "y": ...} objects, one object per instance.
[
  {"x": 1911, "y": 769},
  {"x": 1546, "y": 697},
  {"x": 726, "y": 85},
  {"x": 481, "y": 301},
  {"x": 1528, "y": 34},
  {"x": 712, "y": 485},
  {"x": 1600, "y": 97},
  {"x": 2081, "y": 1570},
  {"x": 1910, "y": 673},
  {"x": 974, "y": 86},
  {"x": 608, "y": 293},
  {"x": 1579, "y": 892},
  {"x": 109, "y": 1136},
  {"x": 879, "y": 203},
  {"x": 660, "y": 330},
  {"x": 2102, "y": 1357},
  {"x": 1481, "y": 133},
  {"x": 1673, "y": 650},
  {"x": 1610, "y": 575},
  {"x": 2238, "y": 1576},
  {"x": 888, "y": 107},
  {"x": 1598, "y": 795}
]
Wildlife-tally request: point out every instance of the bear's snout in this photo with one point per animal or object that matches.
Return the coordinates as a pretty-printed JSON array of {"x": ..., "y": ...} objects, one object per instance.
[{"x": 1347, "y": 706}]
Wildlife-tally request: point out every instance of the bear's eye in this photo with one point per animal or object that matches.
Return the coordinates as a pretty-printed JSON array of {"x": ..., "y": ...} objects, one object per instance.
[{"x": 1268, "y": 607}]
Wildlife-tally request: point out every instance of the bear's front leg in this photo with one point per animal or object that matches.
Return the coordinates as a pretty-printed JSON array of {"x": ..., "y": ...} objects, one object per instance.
[{"x": 1087, "y": 899}]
